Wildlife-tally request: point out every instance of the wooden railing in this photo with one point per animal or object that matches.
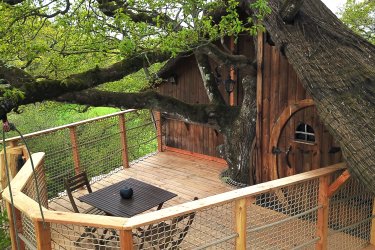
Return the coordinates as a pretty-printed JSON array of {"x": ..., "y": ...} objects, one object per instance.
[{"x": 298, "y": 193}]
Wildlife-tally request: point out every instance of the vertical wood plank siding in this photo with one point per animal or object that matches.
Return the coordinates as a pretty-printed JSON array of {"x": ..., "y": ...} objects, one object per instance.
[{"x": 280, "y": 88}]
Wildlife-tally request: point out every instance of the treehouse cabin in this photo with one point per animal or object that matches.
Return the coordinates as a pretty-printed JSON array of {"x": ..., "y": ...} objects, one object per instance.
[
  {"x": 290, "y": 137},
  {"x": 306, "y": 199}
]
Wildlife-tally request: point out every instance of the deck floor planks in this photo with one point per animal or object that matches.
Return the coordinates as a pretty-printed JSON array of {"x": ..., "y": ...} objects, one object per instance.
[{"x": 184, "y": 175}]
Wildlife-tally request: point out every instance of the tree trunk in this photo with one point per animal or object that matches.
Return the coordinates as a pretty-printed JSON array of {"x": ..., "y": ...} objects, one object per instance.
[{"x": 239, "y": 135}]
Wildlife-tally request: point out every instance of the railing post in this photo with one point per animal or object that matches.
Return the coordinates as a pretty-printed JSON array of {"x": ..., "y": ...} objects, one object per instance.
[
  {"x": 240, "y": 220},
  {"x": 372, "y": 232},
  {"x": 124, "y": 147},
  {"x": 126, "y": 240},
  {"x": 12, "y": 232},
  {"x": 322, "y": 224},
  {"x": 73, "y": 140},
  {"x": 43, "y": 235},
  {"x": 158, "y": 131}
]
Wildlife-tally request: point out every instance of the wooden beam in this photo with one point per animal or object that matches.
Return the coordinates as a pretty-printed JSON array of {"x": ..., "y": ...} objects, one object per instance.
[
  {"x": 43, "y": 235},
  {"x": 126, "y": 240},
  {"x": 289, "y": 10},
  {"x": 124, "y": 144},
  {"x": 240, "y": 220},
  {"x": 338, "y": 183},
  {"x": 259, "y": 103},
  {"x": 322, "y": 224},
  {"x": 75, "y": 151}
]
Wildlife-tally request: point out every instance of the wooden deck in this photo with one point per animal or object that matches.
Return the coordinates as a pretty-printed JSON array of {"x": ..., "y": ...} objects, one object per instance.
[{"x": 184, "y": 175}]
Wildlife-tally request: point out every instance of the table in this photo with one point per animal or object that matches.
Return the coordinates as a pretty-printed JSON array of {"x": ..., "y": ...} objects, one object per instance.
[{"x": 145, "y": 197}]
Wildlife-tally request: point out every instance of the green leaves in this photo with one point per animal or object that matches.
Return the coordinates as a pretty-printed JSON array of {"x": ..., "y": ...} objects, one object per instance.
[{"x": 360, "y": 17}]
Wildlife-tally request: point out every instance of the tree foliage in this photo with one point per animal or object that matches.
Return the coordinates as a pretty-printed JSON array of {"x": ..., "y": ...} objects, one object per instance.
[{"x": 360, "y": 17}]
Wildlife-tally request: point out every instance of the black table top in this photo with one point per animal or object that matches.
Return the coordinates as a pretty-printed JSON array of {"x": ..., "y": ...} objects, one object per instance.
[{"x": 145, "y": 197}]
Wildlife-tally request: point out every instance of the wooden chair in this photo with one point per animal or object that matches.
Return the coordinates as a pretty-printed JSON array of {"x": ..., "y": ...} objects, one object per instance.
[
  {"x": 77, "y": 182},
  {"x": 165, "y": 235}
]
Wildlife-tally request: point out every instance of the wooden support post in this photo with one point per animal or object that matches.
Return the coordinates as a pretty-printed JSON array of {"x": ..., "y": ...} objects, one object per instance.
[
  {"x": 158, "y": 131},
  {"x": 259, "y": 103},
  {"x": 372, "y": 232},
  {"x": 12, "y": 232},
  {"x": 43, "y": 235},
  {"x": 124, "y": 144},
  {"x": 322, "y": 224},
  {"x": 240, "y": 213},
  {"x": 13, "y": 156},
  {"x": 73, "y": 140},
  {"x": 126, "y": 240}
]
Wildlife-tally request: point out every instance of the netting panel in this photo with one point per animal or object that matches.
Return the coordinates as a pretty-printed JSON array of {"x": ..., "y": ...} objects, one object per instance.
[
  {"x": 58, "y": 158},
  {"x": 30, "y": 187},
  {"x": 204, "y": 228},
  {"x": 141, "y": 134},
  {"x": 82, "y": 237},
  {"x": 99, "y": 146},
  {"x": 350, "y": 214},
  {"x": 28, "y": 229},
  {"x": 283, "y": 219}
]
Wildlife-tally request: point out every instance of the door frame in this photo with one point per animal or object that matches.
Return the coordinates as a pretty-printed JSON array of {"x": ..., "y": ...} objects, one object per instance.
[{"x": 278, "y": 128}]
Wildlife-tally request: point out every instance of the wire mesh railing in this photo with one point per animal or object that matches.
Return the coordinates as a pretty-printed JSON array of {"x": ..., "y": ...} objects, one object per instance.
[
  {"x": 281, "y": 214},
  {"x": 98, "y": 146}
]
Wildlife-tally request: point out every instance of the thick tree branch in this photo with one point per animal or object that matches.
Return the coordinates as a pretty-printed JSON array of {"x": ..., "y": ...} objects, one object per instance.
[
  {"x": 204, "y": 114},
  {"x": 219, "y": 56},
  {"x": 290, "y": 9},
  {"x": 45, "y": 89},
  {"x": 209, "y": 82}
]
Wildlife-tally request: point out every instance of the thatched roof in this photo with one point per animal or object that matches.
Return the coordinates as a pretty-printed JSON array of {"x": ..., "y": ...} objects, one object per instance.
[{"x": 337, "y": 69}]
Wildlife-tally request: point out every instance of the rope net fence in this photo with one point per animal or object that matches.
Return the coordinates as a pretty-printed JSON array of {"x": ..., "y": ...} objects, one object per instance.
[
  {"x": 350, "y": 217},
  {"x": 285, "y": 218}
]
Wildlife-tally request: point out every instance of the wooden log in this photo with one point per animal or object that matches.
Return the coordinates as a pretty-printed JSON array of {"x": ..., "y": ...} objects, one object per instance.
[
  {"x": 12, "y": 232},
  {"x": 322, "y": 224},
  {"x": 126, "y": 240},
  {"x": 43, "y": 235},
  {"x": 124, "y": 144},
  {"x": 75, "y": 151},
  {"x": 240, "y": 220}
]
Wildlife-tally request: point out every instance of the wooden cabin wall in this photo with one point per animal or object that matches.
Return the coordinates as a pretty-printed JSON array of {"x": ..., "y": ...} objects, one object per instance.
[
  {"x": 178, "y": 134},
  {"x": 280, "y": 89},
  {"x": 189, "y": 88}
]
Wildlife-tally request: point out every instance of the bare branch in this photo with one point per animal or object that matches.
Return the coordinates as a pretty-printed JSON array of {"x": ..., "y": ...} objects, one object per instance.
[
  {"x": 209, "y": 82},
  {"x": 219, "y": 56}
]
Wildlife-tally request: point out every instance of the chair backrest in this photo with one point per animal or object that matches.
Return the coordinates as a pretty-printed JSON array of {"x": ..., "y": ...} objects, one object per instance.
[
  {"x": 189, "y": 220},
  {"x": 73, "y": 183},
  {"x": 166, "y": 235}
]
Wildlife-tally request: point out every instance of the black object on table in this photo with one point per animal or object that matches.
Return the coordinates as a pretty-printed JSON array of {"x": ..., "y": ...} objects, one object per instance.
[{"x": 145, "y": 197}]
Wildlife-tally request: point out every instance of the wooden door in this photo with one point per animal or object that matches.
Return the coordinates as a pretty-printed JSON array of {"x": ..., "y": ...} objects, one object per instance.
[{"x": 294, "y": 141}]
